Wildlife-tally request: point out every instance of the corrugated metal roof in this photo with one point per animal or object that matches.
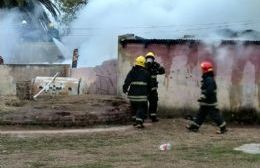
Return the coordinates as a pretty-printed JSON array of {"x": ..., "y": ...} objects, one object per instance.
[{"x": 125, "y": 41}]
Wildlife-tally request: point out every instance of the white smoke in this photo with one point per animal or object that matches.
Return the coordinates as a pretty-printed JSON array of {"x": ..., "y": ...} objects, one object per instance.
[
  {"x": 98, "y": 25},
  {"x": 9, "y": 37},
  {"x": 24, "y": 38}
]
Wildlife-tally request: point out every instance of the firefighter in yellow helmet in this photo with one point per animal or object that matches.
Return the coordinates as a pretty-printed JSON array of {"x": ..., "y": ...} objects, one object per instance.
[
  {"x": 154, "y": 69},
  {"x": 137, "y": 88}
]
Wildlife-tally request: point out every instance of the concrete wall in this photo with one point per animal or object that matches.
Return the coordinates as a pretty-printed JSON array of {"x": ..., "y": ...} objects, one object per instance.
[
  {"x": 237, "y": 65},
  {"x": 13, "y": 73}
]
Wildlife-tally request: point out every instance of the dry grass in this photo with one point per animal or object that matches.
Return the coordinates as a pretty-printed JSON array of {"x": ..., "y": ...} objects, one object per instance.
[{"x": 134, "y": 148}]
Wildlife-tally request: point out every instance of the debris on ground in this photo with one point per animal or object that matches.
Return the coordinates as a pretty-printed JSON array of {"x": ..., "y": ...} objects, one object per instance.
[{"x": 252, "y": 148}]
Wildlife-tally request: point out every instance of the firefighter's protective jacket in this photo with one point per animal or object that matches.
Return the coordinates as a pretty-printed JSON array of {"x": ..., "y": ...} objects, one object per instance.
[
  {"x": 137, "y": 84},
  {"x": 208, "y": 90},
  {"x": 154, "y": 69}
]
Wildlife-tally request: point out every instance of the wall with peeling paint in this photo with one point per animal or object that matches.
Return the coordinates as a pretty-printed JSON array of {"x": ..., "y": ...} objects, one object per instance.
[
  {"x": 237, "y": 67},
  {"x": 11, "y": 74},
  {"x": 101, "y": 79}
]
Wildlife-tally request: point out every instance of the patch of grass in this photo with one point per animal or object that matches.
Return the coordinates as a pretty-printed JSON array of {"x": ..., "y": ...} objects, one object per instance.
[
  {"x": 134, "y": 148},
  {"x": 35, "y": 164},
  {"x": 215, "y": 153},
  {"x": 11, "y": 144},
  {"x": 225, "y": 152},
  {"x": 92, "y": 165},
  {"x": 150, "y": 157},
  {"x": 81, "y": 145}
]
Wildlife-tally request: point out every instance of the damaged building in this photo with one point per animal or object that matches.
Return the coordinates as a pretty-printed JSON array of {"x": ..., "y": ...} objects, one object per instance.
[{"x": 237, "y": 67}]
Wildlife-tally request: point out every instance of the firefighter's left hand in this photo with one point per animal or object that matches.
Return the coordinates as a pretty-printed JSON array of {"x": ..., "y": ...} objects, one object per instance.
[
  {"x": 202, "y": 98},
  {"x": 125, "y": 91},
  {"x": 156, "y": 65}
]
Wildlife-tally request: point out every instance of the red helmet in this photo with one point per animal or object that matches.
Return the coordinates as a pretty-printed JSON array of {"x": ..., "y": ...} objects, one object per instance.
[{"x": 206, "y": 66}]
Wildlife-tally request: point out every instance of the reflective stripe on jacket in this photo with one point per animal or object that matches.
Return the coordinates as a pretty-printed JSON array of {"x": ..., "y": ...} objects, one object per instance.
[
  {"x": 208, "y": 90},
  {"x": 137, "y": 84}
]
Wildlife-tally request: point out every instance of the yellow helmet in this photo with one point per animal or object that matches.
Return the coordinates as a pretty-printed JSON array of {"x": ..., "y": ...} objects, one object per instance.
[
  {"x": 150, "y": 54},
  {"x": 140, "y": 60}
]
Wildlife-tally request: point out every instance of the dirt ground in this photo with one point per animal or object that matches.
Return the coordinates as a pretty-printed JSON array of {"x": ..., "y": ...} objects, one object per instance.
[
  {"x": 126, "y": 147},
  {"x": 68, "y": 111},
  {"x": 28, "y": 140}
]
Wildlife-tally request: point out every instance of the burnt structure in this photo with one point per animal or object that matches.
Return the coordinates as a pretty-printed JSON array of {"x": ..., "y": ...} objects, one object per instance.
[{"x": 237, "y": 65}]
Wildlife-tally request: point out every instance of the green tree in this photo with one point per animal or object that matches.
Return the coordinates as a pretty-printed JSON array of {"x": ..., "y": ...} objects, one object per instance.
[
  {"x": 70, "y": 8},
  {"x": 25, "y": 4}
]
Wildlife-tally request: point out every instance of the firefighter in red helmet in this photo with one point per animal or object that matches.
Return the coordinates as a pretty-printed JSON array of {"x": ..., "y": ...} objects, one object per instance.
[{"x": 208, "y": 101}]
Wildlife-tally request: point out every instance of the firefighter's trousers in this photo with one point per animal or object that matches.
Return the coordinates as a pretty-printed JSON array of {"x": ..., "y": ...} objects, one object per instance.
[
  {"x": 153, "y": 103},
  {"x": 213, "y": 113},
  {"x": 139, "y": 110}
]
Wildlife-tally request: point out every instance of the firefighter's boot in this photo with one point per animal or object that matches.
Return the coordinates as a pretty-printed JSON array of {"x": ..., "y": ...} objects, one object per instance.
[
  {"x": 222, "y": 130},
  {"x": 133, "y": 118},
  {"x": 139, "y": 124},
  {"x": 154, "y": 119},
  {"x": 192, "y": 127}
]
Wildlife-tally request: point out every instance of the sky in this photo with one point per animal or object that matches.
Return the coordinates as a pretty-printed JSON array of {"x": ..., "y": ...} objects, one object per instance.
[{"x": 98, "y": 25}]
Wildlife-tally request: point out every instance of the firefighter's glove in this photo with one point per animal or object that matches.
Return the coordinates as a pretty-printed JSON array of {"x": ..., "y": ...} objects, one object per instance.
[
  {"x": 202, "y": 98},
  {"x": 125, "y": 91},
  {"x": 148, "y": 65},
  {"x": 156, "y": 65},
  {"x": 157, "y": 68}
]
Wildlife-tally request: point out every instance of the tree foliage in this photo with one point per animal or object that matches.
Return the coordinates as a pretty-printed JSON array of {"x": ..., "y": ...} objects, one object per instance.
[
  {"x": 29, "y": 4},
  {"x": 70, "y": 8}
]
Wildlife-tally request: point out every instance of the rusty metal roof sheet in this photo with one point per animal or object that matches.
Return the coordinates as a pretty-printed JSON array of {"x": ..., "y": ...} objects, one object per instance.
[{"x": 183, "y": 41}]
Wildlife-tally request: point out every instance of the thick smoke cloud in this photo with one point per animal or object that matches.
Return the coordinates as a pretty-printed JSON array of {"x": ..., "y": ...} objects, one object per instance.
[
  {"x": 24, "y": 37},
  {"x": 9, "y": 37},
  {"x": 101, "y": 21}
]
